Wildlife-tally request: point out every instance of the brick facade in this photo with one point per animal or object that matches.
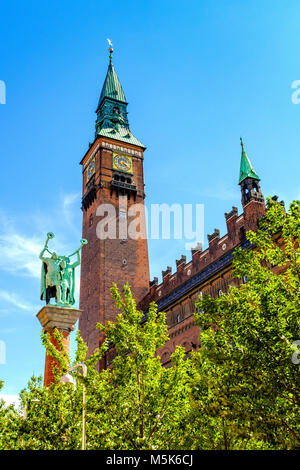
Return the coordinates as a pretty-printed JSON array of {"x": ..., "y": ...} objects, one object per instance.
[
  {"x": 111, "y": 260},
  {"x": 50, "y": 362},
  {"x": 209, "y": 272}
]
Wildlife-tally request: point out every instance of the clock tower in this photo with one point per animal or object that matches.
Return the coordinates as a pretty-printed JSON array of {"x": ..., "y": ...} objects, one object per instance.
[{"x": 113, "y": 212}]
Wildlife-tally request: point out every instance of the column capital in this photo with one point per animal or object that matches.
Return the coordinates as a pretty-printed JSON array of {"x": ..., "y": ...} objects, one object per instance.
[{"x": 62, "y": 318}]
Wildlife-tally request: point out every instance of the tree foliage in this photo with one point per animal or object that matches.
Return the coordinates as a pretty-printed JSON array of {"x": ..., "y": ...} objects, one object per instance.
[
  {"x": 135, "y": 404},
  {"x": 245, "y": 378},
  {"x": 239, "y": 391}
]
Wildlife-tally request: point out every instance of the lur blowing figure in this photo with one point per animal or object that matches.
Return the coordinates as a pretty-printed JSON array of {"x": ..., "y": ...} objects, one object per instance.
[{"x": 58, "y": 275}]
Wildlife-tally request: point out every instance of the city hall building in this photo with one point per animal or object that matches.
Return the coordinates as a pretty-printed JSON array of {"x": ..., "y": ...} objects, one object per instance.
[{"x": 113, "y": 177}]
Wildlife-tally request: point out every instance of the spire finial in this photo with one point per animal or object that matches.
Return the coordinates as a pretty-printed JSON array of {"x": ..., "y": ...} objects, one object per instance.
[
  {"x": 242, "y": 144},
  {"x": 110, "y": 49}
]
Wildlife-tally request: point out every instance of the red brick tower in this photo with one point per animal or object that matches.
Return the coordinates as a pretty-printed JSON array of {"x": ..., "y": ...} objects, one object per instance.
[{"x": 113, "y": 212}]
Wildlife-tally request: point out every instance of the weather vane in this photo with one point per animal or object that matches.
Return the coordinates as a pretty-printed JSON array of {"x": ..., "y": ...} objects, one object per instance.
[
  {"x": 111, "y": 49},
  {"x": 242, "y": 143}
]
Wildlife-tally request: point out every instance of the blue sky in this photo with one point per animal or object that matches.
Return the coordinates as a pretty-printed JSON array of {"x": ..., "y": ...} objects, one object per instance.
[{"x": 197, "y": 75}]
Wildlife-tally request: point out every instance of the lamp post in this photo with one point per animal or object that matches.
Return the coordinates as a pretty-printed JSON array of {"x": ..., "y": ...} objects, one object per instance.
[{"x": 67, "y": 378}]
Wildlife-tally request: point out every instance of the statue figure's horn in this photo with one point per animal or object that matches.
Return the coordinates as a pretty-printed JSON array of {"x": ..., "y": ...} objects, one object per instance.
[{"x": 83, "y": 241}]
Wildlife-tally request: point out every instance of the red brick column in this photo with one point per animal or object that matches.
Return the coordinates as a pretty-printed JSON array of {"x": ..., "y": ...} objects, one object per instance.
[
  {"x": 63, "y": 319},
  {"x": 50, "y": 361}
]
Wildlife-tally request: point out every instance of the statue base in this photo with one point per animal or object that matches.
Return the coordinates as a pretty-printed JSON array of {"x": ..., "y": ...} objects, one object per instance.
[{"x": 62, "y": 318}]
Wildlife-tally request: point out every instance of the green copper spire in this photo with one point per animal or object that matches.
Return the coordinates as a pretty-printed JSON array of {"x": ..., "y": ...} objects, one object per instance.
[
  {"x": 111, "y": 112},
  {"x": 246, "y": 168},
  {"x": 112, "y": 87}
]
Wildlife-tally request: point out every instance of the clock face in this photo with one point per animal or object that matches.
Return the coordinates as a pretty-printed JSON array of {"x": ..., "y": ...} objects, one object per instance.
[
  {"x": 91, "y": 170},
  {"x": 122, "y": 163}
]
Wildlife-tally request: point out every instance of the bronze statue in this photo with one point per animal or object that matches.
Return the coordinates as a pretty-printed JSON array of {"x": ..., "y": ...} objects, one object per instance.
[{"x": 58, "y": 275}]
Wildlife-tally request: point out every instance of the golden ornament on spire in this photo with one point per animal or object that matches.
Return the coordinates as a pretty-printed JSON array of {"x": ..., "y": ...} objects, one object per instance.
[{"x": 110, "y": 49}]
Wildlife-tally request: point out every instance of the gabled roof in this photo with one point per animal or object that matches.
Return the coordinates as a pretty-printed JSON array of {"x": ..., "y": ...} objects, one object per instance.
[{"x": 246, "y": 168}]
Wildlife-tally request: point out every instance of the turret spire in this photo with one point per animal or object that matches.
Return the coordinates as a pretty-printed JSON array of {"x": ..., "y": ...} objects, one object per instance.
[
  {"x": 246, "y": 168},
  {"x": 249, "y": 180}
]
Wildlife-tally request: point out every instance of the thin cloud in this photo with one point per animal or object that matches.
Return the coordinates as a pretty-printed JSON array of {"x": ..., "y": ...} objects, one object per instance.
[
  {"x": 22, "y": 238},
  {"x": 19, "y": 252},
  {"x": 14, "y": 299},
  {"x": 69, "y": 210},
  {"x": 221, "y": 192},
  {"x": 7, "y": 331}
]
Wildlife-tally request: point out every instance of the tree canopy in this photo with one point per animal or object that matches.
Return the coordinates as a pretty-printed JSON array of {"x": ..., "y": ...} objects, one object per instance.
[{"x": 246, "y": 379}]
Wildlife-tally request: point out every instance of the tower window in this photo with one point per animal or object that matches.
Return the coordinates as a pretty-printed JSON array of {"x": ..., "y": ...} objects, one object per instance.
[
  {"x": 124, "y": 261},
  {"x": 91, "y": 220},
  {"x": 122, "y": 178}
]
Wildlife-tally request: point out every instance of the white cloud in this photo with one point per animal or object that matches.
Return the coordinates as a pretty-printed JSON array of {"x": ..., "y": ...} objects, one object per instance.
[
  {"x": 22, "y": 238},
  {"x": 15, "y": 300},
  {"x": 68, "y": 209},
  {"x": 19, "y": 252},
  {"x": 11, "y": 400}
]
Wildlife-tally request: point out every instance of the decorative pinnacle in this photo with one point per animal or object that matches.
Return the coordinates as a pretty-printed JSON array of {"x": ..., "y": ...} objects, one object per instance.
[
  {"x": 242, "y": 143},
  {"x": 110, "y": 49}
]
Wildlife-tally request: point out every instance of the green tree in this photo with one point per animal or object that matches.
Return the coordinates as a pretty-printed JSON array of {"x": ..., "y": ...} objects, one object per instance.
[
  {"x": 135, "y": 404},
  {"x": 8, "y": 424},
  {"x": 245, "y": 383}
]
